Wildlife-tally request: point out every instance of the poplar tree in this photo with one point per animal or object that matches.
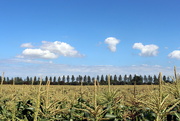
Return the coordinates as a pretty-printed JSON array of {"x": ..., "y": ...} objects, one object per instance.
[
  {"x": 72, "y": 78},
  {"x": 68, "y": 78}
]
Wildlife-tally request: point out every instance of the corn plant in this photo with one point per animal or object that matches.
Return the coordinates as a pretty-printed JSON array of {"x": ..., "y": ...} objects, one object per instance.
[
  {"x": 91, "y": 103},
  {"x": 160, "y": 103}
]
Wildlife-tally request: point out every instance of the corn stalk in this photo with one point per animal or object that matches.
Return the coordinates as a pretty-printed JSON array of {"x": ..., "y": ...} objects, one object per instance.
[
  {"x": 38, "y": 101},
  {"x": 2, "y": 78}
]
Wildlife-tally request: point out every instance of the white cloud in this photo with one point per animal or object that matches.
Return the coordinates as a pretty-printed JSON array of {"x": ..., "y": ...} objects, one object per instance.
[
  {"x": 60, "y": 48},
  {"x": 45, "y": 68},
  {"x": 146, "y": 50},
  {"x": 175, "y": 54},
  {"x": 28, "y": 61},
  {"x": 27, "y": 45},
  {"x": 49, "y": 50},
  {"x": 112, "y": 42},
  {"x": 38, "y": 53}
]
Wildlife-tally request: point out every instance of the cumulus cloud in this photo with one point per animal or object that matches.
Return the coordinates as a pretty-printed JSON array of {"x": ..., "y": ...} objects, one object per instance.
[
  {"x": 50, "y": 50},
  {"x": 146, "y": 50},
  {"x": 27, "y": 45},
  {"x": 112, "y": 42},
  {"x": 38, "y": 53},
  {"x": 60, "y": 48},
  {"x": 175, "y": 54}
]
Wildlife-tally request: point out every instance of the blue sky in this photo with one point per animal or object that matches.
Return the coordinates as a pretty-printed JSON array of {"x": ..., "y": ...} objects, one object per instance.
[{"x": 89, "y": 37}]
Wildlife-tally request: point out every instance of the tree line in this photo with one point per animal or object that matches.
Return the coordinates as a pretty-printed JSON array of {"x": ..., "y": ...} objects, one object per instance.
[{"x": 86, "y": 80}]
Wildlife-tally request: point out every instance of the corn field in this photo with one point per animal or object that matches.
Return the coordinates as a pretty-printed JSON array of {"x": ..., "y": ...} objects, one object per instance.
[{"x": 91, "y": 103}]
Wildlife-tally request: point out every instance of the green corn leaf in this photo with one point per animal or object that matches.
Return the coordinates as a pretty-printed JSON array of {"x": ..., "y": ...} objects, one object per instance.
[
  {"x": 30, "y": 109},
  {"x": 110, "y": 116},
  {"x": 177, "y": 115}
]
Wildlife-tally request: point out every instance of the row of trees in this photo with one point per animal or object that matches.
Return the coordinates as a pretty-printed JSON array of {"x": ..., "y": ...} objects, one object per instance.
[{"x": 87, "y": 80}]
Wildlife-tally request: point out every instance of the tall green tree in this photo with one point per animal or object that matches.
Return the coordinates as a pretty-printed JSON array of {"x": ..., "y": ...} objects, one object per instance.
[
  {"x": 115, "y": 80},
  {"x": 111, "y": 78},
  {"x": 80, "y": 79},
  {"x": 28, "y": 80},
  {"x": 145, "y": 79},
  {"x": 102, "y": 81},
  {"x": 7, "y": 80},
  {"x": 59, "y": 80},
  {"x": 168, "y": 79},
  {"x": 89, "y": 80},
  {"x": 120, "y": 78},
  {"x": 150, "y": 79},
  {"x": 77, "y": 80},
  {"x": 46, "y": 79},
  {"x": 50, "y": 79},
  {"x": 130, "y": 77},
  {"x": 54, "y": 80},
  {"x": 72, "y": 78},
  {"x": 63, "y": 79},
  {"x": 106, "y": 79},
  {"x": 85, "y": 80},
  {"x": 68, "y": 79},
  {"x": 125, "y": 78},
  {"x": 155, "y": 79},
  {"x": 97, "y": 78},
  {"x": 164, "y": 78}
]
